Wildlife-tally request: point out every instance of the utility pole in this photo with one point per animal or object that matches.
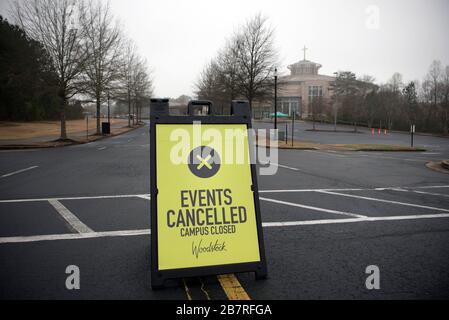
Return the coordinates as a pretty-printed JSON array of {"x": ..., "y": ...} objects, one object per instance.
[
  {"x": 275, "y": 98},
  {"x": 412, "y": 131},
  {"x": 335, "y": 103},
  {"x": 286, "y": 132},
  {"x": 293, "y": 125}
]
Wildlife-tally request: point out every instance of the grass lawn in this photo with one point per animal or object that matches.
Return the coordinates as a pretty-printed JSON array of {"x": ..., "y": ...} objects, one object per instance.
[
  {"x": 299, "y": 145},
  {"x": 35, "y": 129}
]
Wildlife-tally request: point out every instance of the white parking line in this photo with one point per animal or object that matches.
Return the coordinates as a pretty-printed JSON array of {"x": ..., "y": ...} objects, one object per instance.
[
  {"x": 75, "y": 236},
  {"x": 431, "y": 187},
  {"x": 367, "y": 219},
  {"x": 430, "y": 193},
  {"x": 74, "y": 198},
  {"x": 349, "y": 214},
  {"x": 146, "y": 196},
  {"x": 73, "y": 222},
  {"x": 18, "y": 171},
  {"x": 416, "y": 191},
  {"x": 311, "y": 190},
  {"x": 383, "y": 200},
  {"x": 140, "y": 232},
  {"x": 285, "y": 167}
]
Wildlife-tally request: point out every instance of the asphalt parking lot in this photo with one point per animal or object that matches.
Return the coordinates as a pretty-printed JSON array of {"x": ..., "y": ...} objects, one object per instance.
[{"x": 326, "y": 217}]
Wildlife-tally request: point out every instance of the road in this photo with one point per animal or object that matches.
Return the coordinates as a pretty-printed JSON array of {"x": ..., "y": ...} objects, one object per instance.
[
  {"x": 327, "y": 216},
  {"x": 344, "y": 135}
]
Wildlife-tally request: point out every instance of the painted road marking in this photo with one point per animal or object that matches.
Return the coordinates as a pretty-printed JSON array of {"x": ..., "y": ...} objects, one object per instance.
[
  {"x": 431, "y": 193},
  {"x": 146, "y": 196},
  {"x": 75, "y": 236},
  {"x": 145, "y": 232},
  {"x": 232, "y": 287},
  {"x": 431, "y": 187},
  {"x": 349, "y": 214},
  {"x": 367, "y": 219},
  {"x": 18, "y": 171},
  {"x": 73, "y": 222},
  {"x": 383, "y": 200},
  {"x": 419, "y": 192},
  {"x": 76, "y": 198},
  {"x": 285, "y": 167},
  {"x": 311, "y": 190},
  {"x": 101, "y": 148},
  {"x": 186, "y": 288}
]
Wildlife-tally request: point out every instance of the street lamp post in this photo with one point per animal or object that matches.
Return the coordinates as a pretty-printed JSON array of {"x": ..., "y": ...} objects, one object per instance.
[
  {"x": 275, "y": 98},
  {"x": 109, "y": 111},
  {"x": 335, "y": 105}
]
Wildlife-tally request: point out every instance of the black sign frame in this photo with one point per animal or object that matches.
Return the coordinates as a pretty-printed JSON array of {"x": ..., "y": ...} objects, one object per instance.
[{"x": 158, "y": 277}]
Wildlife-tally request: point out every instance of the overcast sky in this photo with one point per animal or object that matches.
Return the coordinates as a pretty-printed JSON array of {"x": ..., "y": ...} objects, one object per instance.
[{"x": 179, "y": 37}]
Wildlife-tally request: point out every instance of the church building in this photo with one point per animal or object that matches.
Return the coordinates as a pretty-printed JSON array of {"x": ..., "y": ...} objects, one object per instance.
[{"x": 304, "y": 84}]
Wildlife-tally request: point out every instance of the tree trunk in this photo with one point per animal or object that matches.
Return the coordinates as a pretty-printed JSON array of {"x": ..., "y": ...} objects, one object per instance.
[
  {"x": 134, "y": 113},
  {"x": 62, "y": 115},
  {"x": 129, "y": 110},
  {"x": 63, "y": 126}
]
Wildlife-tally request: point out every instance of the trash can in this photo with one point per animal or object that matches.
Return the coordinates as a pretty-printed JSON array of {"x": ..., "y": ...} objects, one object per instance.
[
  {"x": 281, "y": 135},
  {"x": 105, "y": 128}
]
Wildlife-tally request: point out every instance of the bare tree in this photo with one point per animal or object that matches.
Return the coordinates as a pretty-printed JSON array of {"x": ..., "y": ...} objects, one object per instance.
[
  {"x": 209, "y": 84},
  {"x": 128, "y": 59},
  {"x": 228, "y": 62},
  {"x": 345, "y": 90},
  {"x": 434, "y": 78},
  {"x": 395, "y": 83},
  {"x": 256, "y": 58},
  {"x": 445, "y": 100},
  {"x": 141, "y": 87},
  {"x": 103, "y": 47},
  {"x": 55, "y": 24},
  {"x": 410, "y": 98}
]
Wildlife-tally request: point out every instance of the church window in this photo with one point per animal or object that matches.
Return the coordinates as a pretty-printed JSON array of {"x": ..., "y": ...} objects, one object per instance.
[{"x": 315, "y": 92}]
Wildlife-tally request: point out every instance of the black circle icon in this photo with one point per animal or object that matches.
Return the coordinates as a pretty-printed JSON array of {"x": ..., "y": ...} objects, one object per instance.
[{"x": 204, "y": 162}]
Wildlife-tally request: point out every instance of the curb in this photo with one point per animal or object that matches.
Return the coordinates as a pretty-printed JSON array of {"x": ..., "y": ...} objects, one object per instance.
[
  {"x": 337, "y": 149},
  {"x": 445, "y": 164},
  {"x": 286, "y": 148},
  {"x": 438, "y": 166}
]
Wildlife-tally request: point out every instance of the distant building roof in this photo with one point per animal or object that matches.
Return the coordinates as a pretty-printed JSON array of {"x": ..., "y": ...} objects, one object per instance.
[{"x": 304, "y": 67}]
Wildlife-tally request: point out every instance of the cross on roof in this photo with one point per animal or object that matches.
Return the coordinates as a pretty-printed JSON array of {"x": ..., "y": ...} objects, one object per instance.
[{"x": 304, "y": 49}]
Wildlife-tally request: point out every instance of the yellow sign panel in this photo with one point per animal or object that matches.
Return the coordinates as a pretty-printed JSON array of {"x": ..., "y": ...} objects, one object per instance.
[{"x": 205, "y": 205}]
